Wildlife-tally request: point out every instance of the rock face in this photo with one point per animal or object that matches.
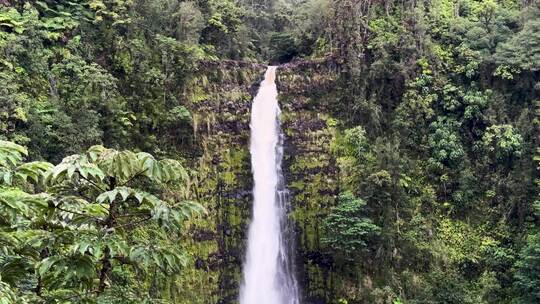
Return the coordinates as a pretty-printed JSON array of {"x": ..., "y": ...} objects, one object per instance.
[
  {"x": 220, "y": 102},
  {"x": 221, "y": 126},
  {"x": 310, "y": 168}
]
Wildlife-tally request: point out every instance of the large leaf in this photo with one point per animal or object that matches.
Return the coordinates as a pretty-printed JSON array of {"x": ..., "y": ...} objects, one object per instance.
[
  {"x": 169, "y": 259},
  {"x": 20, "y": 203},
  {"x": 122, "y": 194},
  {"x": 75, "y": 212},
  {"x": 95, "y": 247},
  {"x": 191, "y": 208},
  {"x": 8, "y": 295},
  {"x": 173, "y": 171},
  {"x": 125, "y": 165},
  {"x": 11, "y": 154},
  {"x": 165, "y": 214},
  {"x": 68, "y": 269},
  {"x": 33, "y": 170},
  {"x": 122, "y": 165},
  {"x": 74, "y": 164},
  {"x": 174, "y": 217},
  {"x": 166, "y": 170}
]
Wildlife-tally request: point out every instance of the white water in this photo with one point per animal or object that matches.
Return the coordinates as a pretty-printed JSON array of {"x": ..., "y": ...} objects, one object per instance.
[{"x": 268, "y": 275}]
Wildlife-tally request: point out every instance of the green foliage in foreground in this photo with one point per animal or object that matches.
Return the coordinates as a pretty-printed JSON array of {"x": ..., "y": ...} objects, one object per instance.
[{"x": 84, "y": 229}]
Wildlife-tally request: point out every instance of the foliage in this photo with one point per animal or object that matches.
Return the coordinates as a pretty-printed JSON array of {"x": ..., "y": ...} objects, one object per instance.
[
  {"x": 445, "y": 144},
  {"x": 502, "y": 142},
  {"x": 521, "y": 51},
  {"x": 356, "y": 141},
  {"x": 422, "y": 114},
  {"x": 282, "y": 47},
  {"x": 90, "y": 221},
  {"x": 442, "y": 95},
  {"x": 527, "y": 279},
  {"x": 347, "y": 230}
]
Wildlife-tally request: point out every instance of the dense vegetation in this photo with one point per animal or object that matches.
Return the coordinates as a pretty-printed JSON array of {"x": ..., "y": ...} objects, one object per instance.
[
  {"x": 429, "y": 113},
  {"x": 446, "y": 98}
]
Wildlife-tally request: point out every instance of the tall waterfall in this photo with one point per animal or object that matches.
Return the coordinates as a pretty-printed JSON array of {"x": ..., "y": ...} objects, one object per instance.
[{"x": 268, "y": 274}]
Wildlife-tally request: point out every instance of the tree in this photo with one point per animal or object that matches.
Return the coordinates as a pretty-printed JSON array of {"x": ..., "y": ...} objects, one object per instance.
[
  {"x": 347, "y": 229},
  {"x": 502, "y": 143},
  {"x": 100, "y": 211},
  {"x": 528, "y": 271},
  {"x": 445, "y": 144},
  {"x": 528, "y": 266},
  {"x": 282, "y": 47},
  {"x": 523, "y": 49}
]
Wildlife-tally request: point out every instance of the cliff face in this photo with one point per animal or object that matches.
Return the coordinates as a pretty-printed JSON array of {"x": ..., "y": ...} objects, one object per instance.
[
  {"x": 305, "y": 93},
  {"x": 220, "y": 102},
  {"x": 221, "y": 122}
]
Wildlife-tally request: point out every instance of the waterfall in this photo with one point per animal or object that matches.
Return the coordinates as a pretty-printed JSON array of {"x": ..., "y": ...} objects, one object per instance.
[{"x": 268, "y": 272}]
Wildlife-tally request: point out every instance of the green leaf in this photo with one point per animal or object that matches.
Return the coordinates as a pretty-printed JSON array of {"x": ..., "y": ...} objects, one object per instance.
[
  {"x": 7, "y": 178},
  {"x": 35, "y": 170},
  {"x": 45, "y": 265},
  {"x": 125, "y": 192},
  {"x": 11, "y": 154}
]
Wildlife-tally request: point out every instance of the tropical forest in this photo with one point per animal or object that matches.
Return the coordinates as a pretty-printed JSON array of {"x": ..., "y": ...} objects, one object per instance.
[{"x": 269, "y": 151}]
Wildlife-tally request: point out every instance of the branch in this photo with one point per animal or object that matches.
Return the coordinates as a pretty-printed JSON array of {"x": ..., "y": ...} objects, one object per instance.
[
  {"x": 93, "y": 183},
  {"x": 122, "y": 259},
  {"x": 78, "y": 213},
  {"x": 133, "y": 223},
  {"x": 131, "y": 214},
  {"x": 134, "y": 176}
]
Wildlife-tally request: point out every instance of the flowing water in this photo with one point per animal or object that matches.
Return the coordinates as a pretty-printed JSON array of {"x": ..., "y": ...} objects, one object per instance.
[{"x": 268, "y": 272}]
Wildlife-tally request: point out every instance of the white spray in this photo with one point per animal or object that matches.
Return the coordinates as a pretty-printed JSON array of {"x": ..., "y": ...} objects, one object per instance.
[{"x": 268, "y": 274}]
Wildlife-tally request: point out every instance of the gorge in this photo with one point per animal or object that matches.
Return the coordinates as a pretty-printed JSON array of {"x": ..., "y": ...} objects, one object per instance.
[{"x": 389, "y": 155}]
